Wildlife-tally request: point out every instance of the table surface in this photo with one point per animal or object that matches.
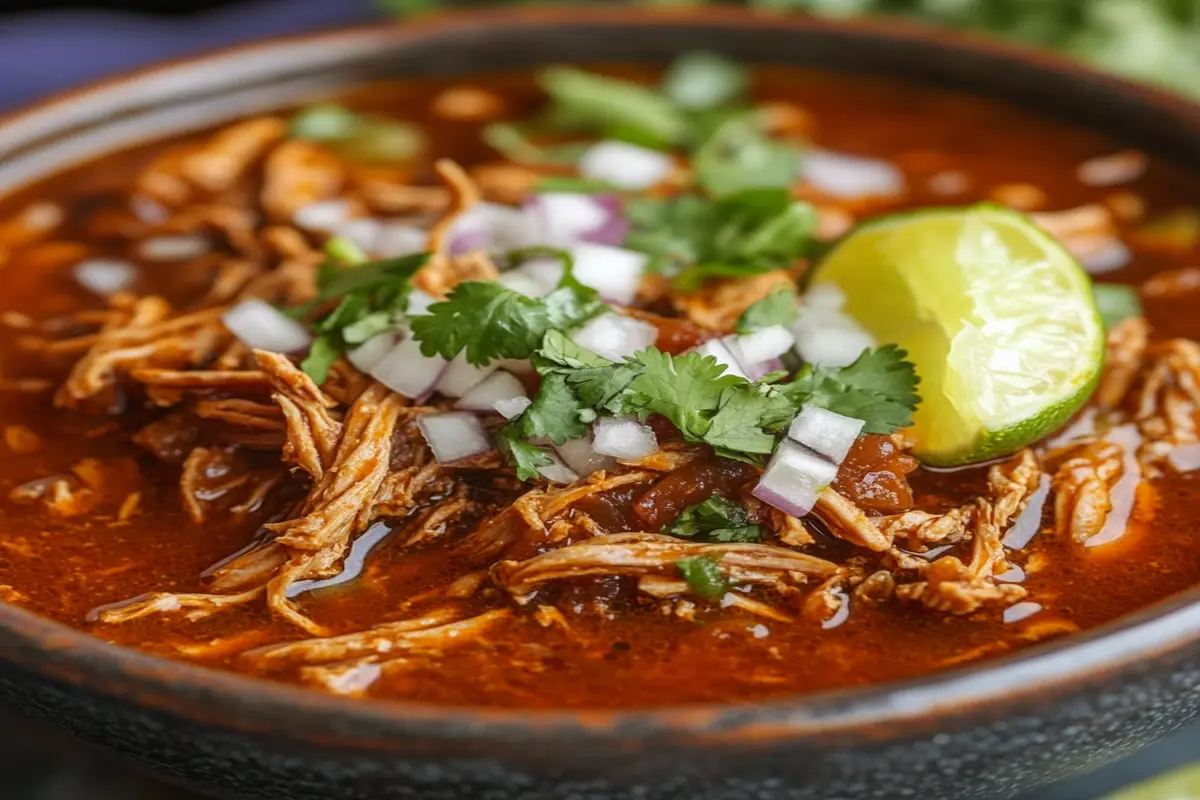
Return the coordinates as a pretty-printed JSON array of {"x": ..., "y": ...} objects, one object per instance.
[{"x": 38, "y": 762}]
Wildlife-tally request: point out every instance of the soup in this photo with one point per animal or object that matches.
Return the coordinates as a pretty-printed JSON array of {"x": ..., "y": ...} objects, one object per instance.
[{"x": 600, "y": 389}]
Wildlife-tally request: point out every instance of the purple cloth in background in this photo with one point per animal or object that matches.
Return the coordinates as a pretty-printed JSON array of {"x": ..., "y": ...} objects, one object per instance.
[{"x": 43, "y": 53}]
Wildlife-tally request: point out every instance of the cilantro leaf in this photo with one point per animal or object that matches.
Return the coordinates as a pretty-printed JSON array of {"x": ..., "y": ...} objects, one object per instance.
[
  {"x": 740, "y": 155},
  {"x": 510, "y": 139},
  {"x": 702, "y": 81},
  {"x": 716, "y": 519},
  {"x": 321, "y": 355},
  {"x": 554, "y": 413},
  {"x": 878, "y": 388},
  {"x": 614, "y": 106},
  {"x": 704, "y": 576},
  {"x": 1116, "y": 303},
  {"x": 684, "y": 389},
  {"x": 523, "y": 455},
  {"x": 734, "y": 430},
  {"x": 777, "y": 308}
]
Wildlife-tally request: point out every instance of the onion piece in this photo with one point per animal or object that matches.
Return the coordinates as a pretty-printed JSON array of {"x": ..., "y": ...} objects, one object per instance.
[
  {"x": 825, "y": 432},
  {"x": 419, "y": 302},
  {"x": 1104, "y": 254},
  {"x": 581, "y": 456},
  {"x": 323, "y": 216},
  {"x": 794, "y": 479},
  {"x": 623, "y": 437},
  {"x": 521, "y": 282},
  {"x": 499, "y": 387},
  {"x": 104, "y": 276},
  {"x": 564, "y": 217},
  {"x": 371, "y": 352},
  {"x": 615, "y": 336},
  {"x": 491, "y": 227},
  {"x": 1185, "y": 457},
  {"x": 847, "y": 177},
  {"x": 261, "y": 326},
  {"x": 770, "y": 342},
  {"x": 460, "y": 376},
  {"x": 625, "y": 165},
  {"x": 829, "y": 338},
  {"x": 364, "y": 232},
  {"x": 828, "y": 296},
  {"x": 616, "y": 273},
  {"x": 510, "y": 409},
  {"x": 616, "y": 226},
  {"x": 546, "y": 272},
  {"x": 718, "y": 350},
  {"x": 454, "y": 436},
  {"x": 183, "y": 247},
  {"x": 397, "y": 239},
  {"x": 556, "y": 471},
  {"x": 406, "y": 370}
]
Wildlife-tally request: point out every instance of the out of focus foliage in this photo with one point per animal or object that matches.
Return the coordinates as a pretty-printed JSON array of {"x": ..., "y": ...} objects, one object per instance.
[{"x": 1153, "y": 40}]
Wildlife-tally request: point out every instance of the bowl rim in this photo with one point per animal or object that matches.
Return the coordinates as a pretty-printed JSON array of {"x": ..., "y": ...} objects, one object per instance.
[{"x": 1169, "y": 628}]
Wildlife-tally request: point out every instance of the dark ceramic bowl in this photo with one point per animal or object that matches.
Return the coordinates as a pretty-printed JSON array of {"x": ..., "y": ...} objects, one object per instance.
[{"x": 988, "y": 730}]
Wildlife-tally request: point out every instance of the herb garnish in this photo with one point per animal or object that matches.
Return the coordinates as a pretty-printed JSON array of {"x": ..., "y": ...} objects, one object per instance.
[
  {"x": 1116, "y": 303},
  {"x": 777, "y": 308},
  {"x": 371, "y": 298},
  {"x": 739, "y": 155},
  {"x": 880, "y": 388},
  {"x": 703, "y": 574},
  {"x": 748, "y": 233},
  {"x": 717, "y": 519}
]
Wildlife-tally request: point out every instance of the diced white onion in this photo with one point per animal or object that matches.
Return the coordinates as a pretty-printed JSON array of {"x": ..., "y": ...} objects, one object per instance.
[
  {"x": 829, "y": 338},
  {"x": 825, "y": 432},
  {"x": 794, "y": 479},
  {"x": 828, "y": 296},
  {"x": 1104, "y": 254},
  {"x": 1020, "y": 611},
  {"x": 396, "y": 239},
  {"x": 261, "y": 326},
  {"x": 510, "y": 409},
  {"x": 521, "y": 283},
  {"x": 454, "y": 436},
  {"x": 323, "y": 216},
  {"x": 623, "y": 437},
  {"x": 499, "y": 387},
  {"x": 1185, "y": 457},
  {"x": 770, "y": 342},
  {"x": 406, "y": 370},
  {"x": 419, "y": 302},
  {"x": 615, "y": 336},
  {"x": 556, "y": 471},
  {"x": 845, "y": 176},
  {"x": 174, "y": 248},
  {"x": 625, "y": 165},
  {"x": 1112, "y": 170},
  {"x": 491, "y": 227},
  {"x": 616, "y": 273},
  {"x": 371, "y": 352},
  {"x": 547, "y": 272},
  {"x": 363, "y": 232},
  {"x": 564, "y": 217},
  {"x": 718, "y": 350},
  {"x": 461, "y": 375},
  {"x": 104, "y": 276},
  {"x": 581, "y": 456}
]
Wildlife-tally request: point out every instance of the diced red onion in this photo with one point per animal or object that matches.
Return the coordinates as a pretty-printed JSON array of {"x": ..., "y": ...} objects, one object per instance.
[
  {"x": 770, "y": 342},
  {"x": 582, "y": 458},
  {"x": 499, "y": 387},
  {"x": 509, "y": 409},
  {"x": 454, "y": 436},
  {"x": 371, "y": 352},
  {"x": 828, "y": 296},
  {"x": 1185, "y": 457},
  {"x": 406, "y": 370},
  {"x": 521, "y": 282},
  {"x": 794, "y": 479},
  {"x": 174, "y": 248},
  {"x": 460, "y": 376},
  {"x": 825, "y": 432},
  {"x": 845, "y": 176},
  {"x": 616, "y": 226},
  {"x": 323, "y": 216},
  {"x": 829, "y": 338},
  {"x": 564, "y": 217},
  {"x": 625, "y": 165},
  {"x": 616, "y": 273},
  {"x": 615, "y": 336},
  {"x": 557, "y": 471},
  {"x": 718, "y": 350},
  {"x": 261, "y": 326},
  {"x": 104, "y": 276},
  {"x": 623, "y": 437}
]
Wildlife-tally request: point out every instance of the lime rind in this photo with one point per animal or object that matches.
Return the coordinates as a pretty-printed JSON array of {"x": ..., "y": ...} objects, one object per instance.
[{"x": 999, "y": 318}]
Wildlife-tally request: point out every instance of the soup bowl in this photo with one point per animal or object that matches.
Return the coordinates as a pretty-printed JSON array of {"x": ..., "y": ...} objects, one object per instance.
[{"x": 986, "y": 730}]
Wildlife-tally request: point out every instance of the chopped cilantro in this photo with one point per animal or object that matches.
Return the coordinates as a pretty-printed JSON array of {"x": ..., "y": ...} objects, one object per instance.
[
  {"x": 511, "y": 140},
  {"x": 371, "y": 299},
  {"x": 685, "y": 389},
  {"x": 570, "y": 183},
  {"x": 1116, "y": 303},
  {"x": 694, "y": 239},
  {"x": 880, "y": 388},
  {"x": 777, "y": 308},
  {"x": 717, "y": 519},
  {"x": 614, "y": 107},
  {"x": 525, "y": 456},
  {"x": 703, "y": 574},
  {"x": 700, "y": 81},
  {"x": 734, "y": 431},
  {"x": 555, "y": 413},
  {"x": 739, "y": 155}
]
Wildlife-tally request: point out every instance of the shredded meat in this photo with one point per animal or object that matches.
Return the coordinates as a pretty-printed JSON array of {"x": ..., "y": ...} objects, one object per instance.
[
  {"x": 1082, "y": 485},
  {"x": 719, "y": 303},
  {"x": 849, "y": 522},
  {"x": 949, "y": 587},
  {"x": 1127, "y": 343},
  {"x": 313, "y": 432}
]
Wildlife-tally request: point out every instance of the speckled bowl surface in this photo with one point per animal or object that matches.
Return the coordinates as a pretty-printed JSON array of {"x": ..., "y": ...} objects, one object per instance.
[{"x": 988, "y": 730}]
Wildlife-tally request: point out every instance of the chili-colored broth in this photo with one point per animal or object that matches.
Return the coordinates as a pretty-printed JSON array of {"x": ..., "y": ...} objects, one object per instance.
[{"x": 639, "y": 657}]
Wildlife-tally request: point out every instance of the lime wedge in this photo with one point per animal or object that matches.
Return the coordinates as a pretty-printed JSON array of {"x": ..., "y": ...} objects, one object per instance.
[
  {"x": 998, "y": 318},
  {"x": 1179, "y": 784}
]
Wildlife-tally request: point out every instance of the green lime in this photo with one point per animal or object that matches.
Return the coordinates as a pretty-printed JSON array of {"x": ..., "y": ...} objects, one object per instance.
[
  {"x": 1179, "y": 784},
  {"x": 997, "y": 316}
]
